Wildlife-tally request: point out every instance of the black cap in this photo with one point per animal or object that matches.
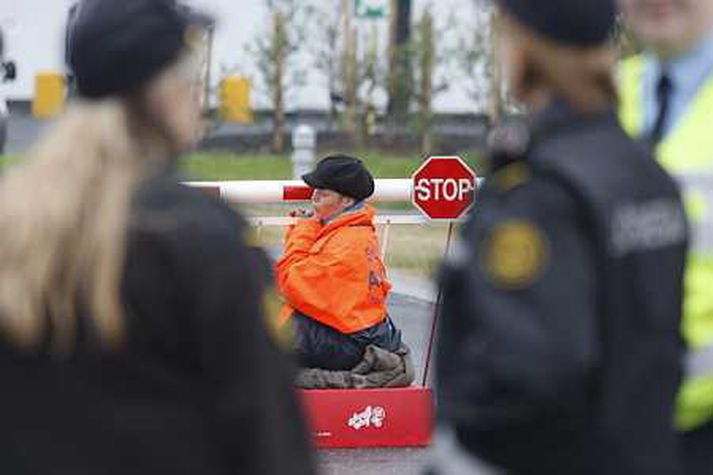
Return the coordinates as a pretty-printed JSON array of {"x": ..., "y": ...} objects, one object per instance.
[
  {"x": 343, "y": 174},
  {"x": 116, "y": 46},
  {"x": 571, "y": 22}
]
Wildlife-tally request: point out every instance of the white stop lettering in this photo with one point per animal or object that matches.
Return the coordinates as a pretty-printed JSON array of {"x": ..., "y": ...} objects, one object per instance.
[{"x": 450, "y": 189}]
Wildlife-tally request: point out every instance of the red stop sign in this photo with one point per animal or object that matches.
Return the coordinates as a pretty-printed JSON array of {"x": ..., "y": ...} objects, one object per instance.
[{"x": 444, "y": 188}]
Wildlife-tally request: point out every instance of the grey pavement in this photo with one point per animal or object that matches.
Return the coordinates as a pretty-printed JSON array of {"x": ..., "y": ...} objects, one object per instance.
[
  {"x": 22, "y": 131},
  {"x": 414, "y": 287},
  {"x": 374, "y": 461},
  {"x": 414, "y": 317}
]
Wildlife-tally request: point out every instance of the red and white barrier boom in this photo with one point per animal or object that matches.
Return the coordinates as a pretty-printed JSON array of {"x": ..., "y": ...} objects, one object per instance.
[
  {"x": 281, "y": 191},
  {"x": 443, "y": 189},
  {"x": 270, "y": 191}
]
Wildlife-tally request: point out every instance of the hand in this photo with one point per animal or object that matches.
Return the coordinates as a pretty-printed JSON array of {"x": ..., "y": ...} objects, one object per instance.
[{"x": 301, "y": 213}]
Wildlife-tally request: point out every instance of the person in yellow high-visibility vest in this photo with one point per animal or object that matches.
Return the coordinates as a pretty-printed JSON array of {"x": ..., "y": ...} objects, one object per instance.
[{"x": 667, "y": 100}]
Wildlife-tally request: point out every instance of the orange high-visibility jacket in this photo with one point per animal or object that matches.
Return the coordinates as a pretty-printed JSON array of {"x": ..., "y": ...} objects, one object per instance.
[{"x": 334, "y": 273}]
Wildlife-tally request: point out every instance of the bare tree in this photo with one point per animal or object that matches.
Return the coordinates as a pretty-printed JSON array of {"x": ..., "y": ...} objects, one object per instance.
[
  {"x": 427, "y": 52},
  {"x": 276, "y": 55},
  {"x": 325, "y": 48},
  {"x": 350, "y": 75},
  {"x": 363, "y": 75},
  {"x": 400, "y": 77},
  {"x": 371, "y": 79},
  {"x": 475, "y": 59},
  {"x": 345, "y": 53}
]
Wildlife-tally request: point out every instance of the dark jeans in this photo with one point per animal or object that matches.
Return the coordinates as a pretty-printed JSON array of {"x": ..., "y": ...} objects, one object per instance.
[
  {"x": 697, "y": 449},
  {"x": 320, "y": 346}
]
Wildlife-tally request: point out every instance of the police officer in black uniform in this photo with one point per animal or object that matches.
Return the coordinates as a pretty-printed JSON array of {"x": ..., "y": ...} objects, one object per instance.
[
  {"x": 133, "y": 328},
  {"x": 559, "y": 348}
]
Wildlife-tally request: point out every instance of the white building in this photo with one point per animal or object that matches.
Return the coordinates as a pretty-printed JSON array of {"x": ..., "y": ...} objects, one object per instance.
[{"x": 34, "y": 31}]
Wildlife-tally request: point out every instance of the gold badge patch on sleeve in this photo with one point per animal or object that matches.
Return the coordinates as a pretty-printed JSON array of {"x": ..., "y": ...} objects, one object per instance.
[{"x": 515, "y": 254}]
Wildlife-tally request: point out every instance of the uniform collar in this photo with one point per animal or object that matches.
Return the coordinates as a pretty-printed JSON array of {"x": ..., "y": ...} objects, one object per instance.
[
  {"x": 559, "y": 116},
  {"x": 688, "y": 71}
]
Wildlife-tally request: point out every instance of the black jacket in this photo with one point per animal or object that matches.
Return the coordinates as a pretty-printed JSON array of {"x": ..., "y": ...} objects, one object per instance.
[
  {"x": 560, "y": 349},
  {"x": 198, "y": 387}
]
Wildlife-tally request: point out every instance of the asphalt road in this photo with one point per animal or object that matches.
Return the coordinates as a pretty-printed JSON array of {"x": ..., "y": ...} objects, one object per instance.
[
  {"x": 374, "y": 461},
  {"x": 22, "y": 131}
]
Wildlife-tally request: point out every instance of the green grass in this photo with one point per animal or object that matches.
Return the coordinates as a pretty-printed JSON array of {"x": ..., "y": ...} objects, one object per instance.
[
  {"x": 277, "y": 167},
  {"x": 9, "y": 160},
  {"x": 233, "y": 167},
  {"x": 225, "y": 166}
]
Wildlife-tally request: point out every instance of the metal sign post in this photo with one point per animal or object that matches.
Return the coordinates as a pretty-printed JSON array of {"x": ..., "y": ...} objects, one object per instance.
[{"x": 444, "y": 190}]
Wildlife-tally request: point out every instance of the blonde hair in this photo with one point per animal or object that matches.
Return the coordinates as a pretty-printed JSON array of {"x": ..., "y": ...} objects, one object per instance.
[
  {"x": 582, "y": 76},
  {"x": 63, "y": 225}
]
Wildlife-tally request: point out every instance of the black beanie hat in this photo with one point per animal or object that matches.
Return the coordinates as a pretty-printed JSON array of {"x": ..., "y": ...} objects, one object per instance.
[
  {"x": 116, "y": 46},
  {"x": 343, "y": 174},
  {"x": 580, "y": 23}
]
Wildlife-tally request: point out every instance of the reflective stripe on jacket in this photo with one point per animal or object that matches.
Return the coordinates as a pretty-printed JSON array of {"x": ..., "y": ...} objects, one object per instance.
[{"x": 334, "y": 273}]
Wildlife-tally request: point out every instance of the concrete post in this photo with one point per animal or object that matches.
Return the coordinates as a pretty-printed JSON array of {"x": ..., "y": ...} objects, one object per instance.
[{"x": 304, "y": 142}]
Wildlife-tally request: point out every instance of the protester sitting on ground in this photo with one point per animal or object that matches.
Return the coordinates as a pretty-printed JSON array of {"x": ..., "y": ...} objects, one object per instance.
[{"x": 335, "y": 285}]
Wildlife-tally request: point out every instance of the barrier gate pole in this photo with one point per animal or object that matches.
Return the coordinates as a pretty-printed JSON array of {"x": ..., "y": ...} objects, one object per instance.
[{"x": 436, "y": 312}]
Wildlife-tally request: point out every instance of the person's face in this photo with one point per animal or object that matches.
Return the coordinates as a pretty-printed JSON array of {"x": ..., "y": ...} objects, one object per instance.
[
  {"x": 329, "y": 203},
  {"x": 174, "y": 100},
  {"x": 668, "y": 27}
]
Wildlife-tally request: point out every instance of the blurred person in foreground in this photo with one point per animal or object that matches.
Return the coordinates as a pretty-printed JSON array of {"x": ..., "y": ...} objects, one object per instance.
[
  {"x": 131, "y": 308},
  {"x": 667, "y": 102},
  {"x": 335, "y": 285},
  {"x": 559, "y": 350}
]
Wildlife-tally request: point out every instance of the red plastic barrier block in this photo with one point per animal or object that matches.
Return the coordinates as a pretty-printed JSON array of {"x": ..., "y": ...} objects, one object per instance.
[{"x": 400, "y": 417}]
